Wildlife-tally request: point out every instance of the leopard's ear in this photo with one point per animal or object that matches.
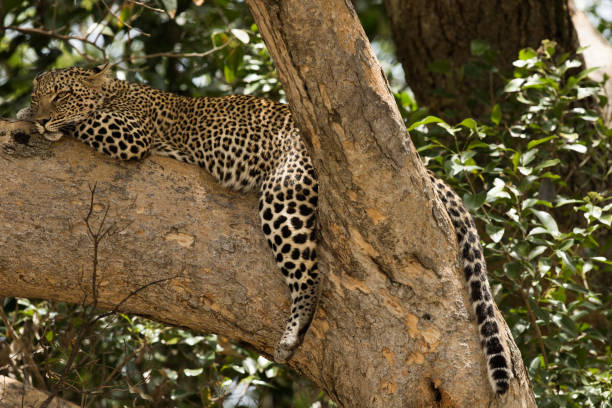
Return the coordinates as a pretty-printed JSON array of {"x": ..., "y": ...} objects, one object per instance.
[
  {"x": 102, "y": 69},
  {"x": 101, "y": 75}
]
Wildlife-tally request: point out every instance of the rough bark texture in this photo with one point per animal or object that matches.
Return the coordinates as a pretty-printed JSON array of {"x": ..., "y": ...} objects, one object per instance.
[
  {"x": 394, "y": 327},
  {"x": 425, "y": 31},
  {"x": 382, "y": 234},
  {"x": 15, "y": 394}
]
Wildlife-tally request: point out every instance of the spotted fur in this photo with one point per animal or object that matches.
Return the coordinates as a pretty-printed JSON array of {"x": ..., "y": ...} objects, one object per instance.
[{"x": 246, "y": 143}]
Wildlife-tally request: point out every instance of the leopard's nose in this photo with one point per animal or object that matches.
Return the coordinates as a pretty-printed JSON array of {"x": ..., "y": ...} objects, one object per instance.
[{"x": 43, "y": 121}]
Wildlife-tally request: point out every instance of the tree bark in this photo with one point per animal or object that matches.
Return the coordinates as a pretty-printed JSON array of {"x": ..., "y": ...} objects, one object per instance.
[
  {"x": 426, "y": 31},
  {"x": 394, "y": 326},
  {"x": 377, "y": 217}
]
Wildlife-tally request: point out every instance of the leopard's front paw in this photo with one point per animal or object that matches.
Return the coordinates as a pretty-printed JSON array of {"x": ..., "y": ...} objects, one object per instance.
[
  {"x": 24, "y": 114},
  {"x": 52, "y": 136}
]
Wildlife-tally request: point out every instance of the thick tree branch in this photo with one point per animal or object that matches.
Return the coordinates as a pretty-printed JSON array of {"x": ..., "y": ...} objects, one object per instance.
[
  {"x": 393, "y": 327},
  {"x": 180, "y": 222}
]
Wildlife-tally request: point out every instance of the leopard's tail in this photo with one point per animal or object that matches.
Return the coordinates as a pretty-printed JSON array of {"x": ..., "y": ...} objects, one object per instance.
[{"x": 475, "y": 270}]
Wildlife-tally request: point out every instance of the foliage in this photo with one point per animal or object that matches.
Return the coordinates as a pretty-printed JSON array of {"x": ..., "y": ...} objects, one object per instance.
[
  {"x": 535, "y": 171},
  {"x": 536, "y": 174},
  {"x": 127, "y": 359}
]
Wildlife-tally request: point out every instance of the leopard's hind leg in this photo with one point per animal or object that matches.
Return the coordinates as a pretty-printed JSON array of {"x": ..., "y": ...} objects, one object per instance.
[{"x": 287, "y": 205}]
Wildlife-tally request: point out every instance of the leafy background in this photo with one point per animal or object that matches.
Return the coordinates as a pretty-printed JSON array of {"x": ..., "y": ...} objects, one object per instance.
[{"x": 534, "y": 169}]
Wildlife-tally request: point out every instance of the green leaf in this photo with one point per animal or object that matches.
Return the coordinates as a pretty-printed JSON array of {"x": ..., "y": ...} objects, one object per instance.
[
  {"x": 527, "y": 53},
  {"x": 450, "y": 129},
  {"x": 497, "y": 192},
  {"x": 564, "y": 201},
  {"x": 536, "y": 142},
  {"x": 537, "y": 251},
  {"x": 535, "y": 364},
  {"x": 566, "y": 260},
  {"x": 495, "y": 233},
  {"x": 426, "y": 121},
  {"x": 193, "y": 372},
  {"x": 517, "y": 131},
  {"x": 549, "y": 46},
  {"x": 575, "y": 288},
  {"x": 250, "y": 366},
  {"x": 468, "y": 123},
  {"x": 538, "y": 230},
  {"x": 474, "y": 201},
  {"x": 530, "y": 202},
  {"x": 566, "y": 324},
  {"x": 576, "y": 147},
  {"x": 171, "y": 341},
  {"x": 585, "y": 92},
  {"x": 496, "y": 114},
  {"x": 513, "y": 270},
  {"x": 229, "y": 74},
  {"x": 586, "y": 72},
  {"x": 528, "y": 156},
  {"x": 242, "y": 35},
  {"x": 514, "y": 85},
  {"x": 477, "y": 144},
  {"x": 516, "y": 159},
  {"x": 548, "y": 221},
  {"x": 547, "y": 163}
]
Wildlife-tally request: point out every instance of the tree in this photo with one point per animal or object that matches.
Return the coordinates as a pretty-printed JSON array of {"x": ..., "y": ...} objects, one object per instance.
[
  {"x": 367, "y": 245},
  {"x": 439, "y": 39},
  {"x": 372, "y": 186}
]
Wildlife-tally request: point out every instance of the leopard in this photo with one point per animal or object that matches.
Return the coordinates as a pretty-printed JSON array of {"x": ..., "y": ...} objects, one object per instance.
[{"x": 246, "y": 143}]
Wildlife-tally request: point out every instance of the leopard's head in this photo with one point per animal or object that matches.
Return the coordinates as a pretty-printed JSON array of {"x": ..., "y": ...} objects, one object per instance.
[{"x": 65, "y": 97}]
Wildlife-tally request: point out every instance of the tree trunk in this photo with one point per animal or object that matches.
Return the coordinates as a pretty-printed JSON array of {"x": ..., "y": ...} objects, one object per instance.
[
  {"x": 427, "y": 31},
  {"x": 377, "y": 218},
  {"x": 394, "y": 326}
]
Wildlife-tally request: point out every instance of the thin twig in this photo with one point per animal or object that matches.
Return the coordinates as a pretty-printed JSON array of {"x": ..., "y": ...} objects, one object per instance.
[
  {"x": 123, "y": 22},
  {"x": 122, "y": 363},
  {"x": 532, "y": 318},
  {"x": 53, "y": 34},
  {"x": 131, "y": 58},
  {"x": 88, "y": 313},
  {"x": 138, "y": 3}
]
